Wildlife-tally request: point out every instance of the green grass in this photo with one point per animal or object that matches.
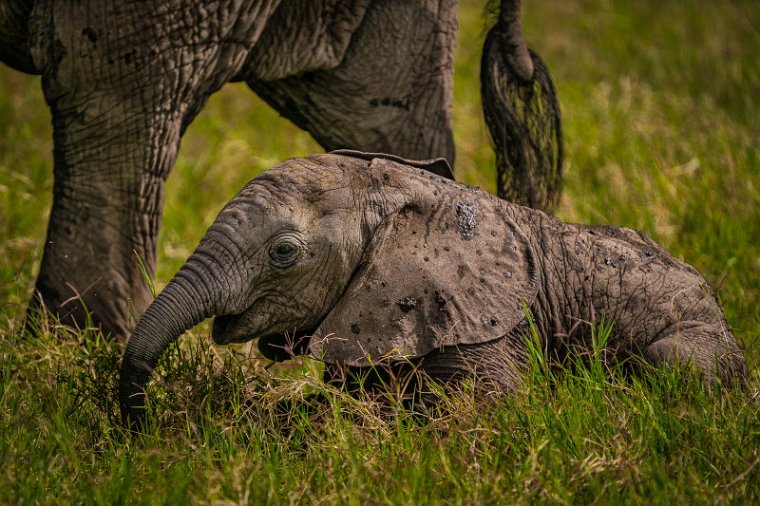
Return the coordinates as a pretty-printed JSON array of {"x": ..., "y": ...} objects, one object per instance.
[{"x": 662, "y": 129}]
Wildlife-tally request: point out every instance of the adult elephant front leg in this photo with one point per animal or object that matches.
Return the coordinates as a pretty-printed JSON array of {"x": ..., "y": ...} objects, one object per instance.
[
  {"x": 122, "y": 82},
  {"x": 110, "y": 168}
]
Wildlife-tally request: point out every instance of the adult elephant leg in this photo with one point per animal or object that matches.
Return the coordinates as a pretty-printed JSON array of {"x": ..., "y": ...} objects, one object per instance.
[
  {"x": 390, "y": 92},
  {"x": 117, "y": 119},
  {"x": 110, "y": 165},
  {"x": 123, "y": 80}
]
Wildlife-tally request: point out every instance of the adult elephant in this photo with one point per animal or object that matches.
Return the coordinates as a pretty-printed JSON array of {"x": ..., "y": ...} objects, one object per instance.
[{"x": 124, "y": 80}]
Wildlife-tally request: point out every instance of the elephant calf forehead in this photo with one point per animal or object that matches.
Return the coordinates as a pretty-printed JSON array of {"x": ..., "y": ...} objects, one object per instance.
[
  {"x": 305, "y": 180},
  {"x": 307, "y": 174}
]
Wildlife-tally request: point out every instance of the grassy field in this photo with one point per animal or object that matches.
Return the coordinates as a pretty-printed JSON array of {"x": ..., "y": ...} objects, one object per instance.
[{"x": 661, "y": 110}]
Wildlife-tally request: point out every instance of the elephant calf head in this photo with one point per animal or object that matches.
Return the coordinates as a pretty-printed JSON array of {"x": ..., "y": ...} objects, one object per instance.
[{"x": 358, "y": 258}]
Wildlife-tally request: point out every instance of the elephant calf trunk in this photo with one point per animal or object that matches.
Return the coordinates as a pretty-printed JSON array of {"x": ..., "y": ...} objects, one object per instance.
[{"x": 178, "y": 308}]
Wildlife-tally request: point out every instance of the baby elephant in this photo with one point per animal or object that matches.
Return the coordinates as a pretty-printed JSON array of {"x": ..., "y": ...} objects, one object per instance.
[{"x": 365, "y": 258}]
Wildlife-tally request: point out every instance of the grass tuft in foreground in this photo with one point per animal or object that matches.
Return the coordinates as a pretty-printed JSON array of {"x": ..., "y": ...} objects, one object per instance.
[{"x": 223, "y": 428}]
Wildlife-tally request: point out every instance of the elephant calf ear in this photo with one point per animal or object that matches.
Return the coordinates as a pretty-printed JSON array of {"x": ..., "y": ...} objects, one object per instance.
[
  {"x": 438, "y": 166},
  {"x": 456, "y": 273}
]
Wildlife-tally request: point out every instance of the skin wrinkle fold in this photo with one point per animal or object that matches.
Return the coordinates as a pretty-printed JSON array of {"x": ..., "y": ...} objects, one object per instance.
[
  {"x": 315, "y": 274},
  {"x": 232, "y": 245},
  {"x": 228, "y": 279},
  {"x": 565, "y": 302},
  {"x": 200, "y": 283}
]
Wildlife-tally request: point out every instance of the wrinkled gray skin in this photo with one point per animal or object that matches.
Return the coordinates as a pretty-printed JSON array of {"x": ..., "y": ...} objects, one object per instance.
[
  {"x": 124, "y": 80},
  {"x": 374, "y": 258}
]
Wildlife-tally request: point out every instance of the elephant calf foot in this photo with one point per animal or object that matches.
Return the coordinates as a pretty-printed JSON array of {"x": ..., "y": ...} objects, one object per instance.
[
  {"x": 495, "y": 366},
  {"x": 400, "y": 382},
  {"x": 720, "y": 361}
]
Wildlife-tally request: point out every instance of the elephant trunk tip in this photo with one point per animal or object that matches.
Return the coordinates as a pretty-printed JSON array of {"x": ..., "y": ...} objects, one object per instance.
[{"x": 132, "y": 396}]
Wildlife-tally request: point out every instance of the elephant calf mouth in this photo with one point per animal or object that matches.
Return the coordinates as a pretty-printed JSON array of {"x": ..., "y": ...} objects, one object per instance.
[
  {"x": 229, "y": 329},
  {"x": 285, "y": 345},
  {"x": 278, "y": 347}
]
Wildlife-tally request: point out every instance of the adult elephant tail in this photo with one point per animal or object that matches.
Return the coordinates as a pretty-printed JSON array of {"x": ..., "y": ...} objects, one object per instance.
[{"x": 522, "y": 113}]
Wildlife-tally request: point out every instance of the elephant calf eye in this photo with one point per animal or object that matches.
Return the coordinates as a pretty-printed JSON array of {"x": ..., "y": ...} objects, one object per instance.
[
  {"x": 283, "y": 254},
  {"x": 284, "y": 249}
]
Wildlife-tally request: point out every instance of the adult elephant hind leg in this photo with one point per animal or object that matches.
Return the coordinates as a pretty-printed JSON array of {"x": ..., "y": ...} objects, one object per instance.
[{"x": 389, "y": 92}]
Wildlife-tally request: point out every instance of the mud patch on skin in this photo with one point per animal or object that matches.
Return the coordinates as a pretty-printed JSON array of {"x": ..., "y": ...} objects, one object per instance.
[
  {"x": 390, "y": 102},
  {"x": 489, "y": 320},
  {"x": 467, "y": 221},
  {"x": 407, "y": 304}
]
